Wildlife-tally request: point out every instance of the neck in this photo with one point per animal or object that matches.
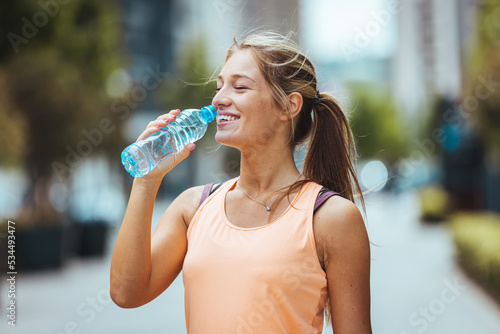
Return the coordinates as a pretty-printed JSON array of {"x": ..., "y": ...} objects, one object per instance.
[{"x": 265, "y": 171}]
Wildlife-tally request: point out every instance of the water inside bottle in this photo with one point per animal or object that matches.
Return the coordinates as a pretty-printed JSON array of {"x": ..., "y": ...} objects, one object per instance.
[{"x": 142, "y": 157}]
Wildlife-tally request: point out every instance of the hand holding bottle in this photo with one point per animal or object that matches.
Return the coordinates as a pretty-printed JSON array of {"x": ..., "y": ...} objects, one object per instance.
[
  {"x": 169, "y": 163},
  {"x": 166, "y": 141}
]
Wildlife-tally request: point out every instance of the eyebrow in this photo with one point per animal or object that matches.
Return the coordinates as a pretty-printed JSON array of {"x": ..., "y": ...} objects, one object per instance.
[{"x": 236, "y": 76}]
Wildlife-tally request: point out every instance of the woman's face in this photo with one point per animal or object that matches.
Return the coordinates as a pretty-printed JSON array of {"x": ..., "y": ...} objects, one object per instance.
[{"x": 244, "y": 97}]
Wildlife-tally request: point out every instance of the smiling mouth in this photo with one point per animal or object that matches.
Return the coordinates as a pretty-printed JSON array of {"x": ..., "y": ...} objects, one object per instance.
[{"x": 226, "y": 118}]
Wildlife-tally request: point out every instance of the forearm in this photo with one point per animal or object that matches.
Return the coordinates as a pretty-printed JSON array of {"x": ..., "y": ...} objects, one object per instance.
[{"x": 131, "y": 261}]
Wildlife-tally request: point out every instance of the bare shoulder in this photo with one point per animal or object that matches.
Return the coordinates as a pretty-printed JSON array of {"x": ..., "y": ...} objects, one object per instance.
[
  {"x": 188, "y": 202},
  {"x": 339, "y": 222},
  {"x": 344, "y": 251}
]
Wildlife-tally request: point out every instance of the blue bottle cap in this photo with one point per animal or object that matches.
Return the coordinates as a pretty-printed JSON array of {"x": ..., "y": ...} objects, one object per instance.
[{"x": 209, "y": 113}]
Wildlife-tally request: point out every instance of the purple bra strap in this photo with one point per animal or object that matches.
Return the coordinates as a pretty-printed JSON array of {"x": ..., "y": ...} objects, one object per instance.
[
  {"x": 324, "y": 194},
  {"x": 206, "y": 192}
]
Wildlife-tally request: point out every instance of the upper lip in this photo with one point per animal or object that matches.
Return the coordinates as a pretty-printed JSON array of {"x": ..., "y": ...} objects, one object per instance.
[{"x": 221, "y": 113}]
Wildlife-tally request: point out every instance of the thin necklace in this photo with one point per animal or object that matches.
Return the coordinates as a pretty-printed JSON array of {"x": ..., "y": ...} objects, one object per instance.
[{"x": 268, "y": 208}]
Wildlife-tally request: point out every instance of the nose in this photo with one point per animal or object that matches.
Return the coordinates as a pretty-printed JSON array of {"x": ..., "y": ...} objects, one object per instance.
[{"x": 221, "y": 99}]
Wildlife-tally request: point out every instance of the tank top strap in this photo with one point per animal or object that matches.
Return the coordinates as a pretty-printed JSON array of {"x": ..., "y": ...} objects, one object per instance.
[
  {"x": 324, "y": 194},
  {"x": 206, "y": 197},
  {"x": 208, "y": 190}
]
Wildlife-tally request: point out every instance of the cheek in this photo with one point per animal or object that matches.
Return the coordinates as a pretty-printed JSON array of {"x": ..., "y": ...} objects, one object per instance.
[
  {"x": 262, "y": 128},
  {"x": 265, "y": 134}
]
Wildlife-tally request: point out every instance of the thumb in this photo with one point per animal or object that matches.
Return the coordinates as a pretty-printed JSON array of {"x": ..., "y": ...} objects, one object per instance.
[
  {"x": 168, "y": 164},
  {"x": 185, "y": 152}
]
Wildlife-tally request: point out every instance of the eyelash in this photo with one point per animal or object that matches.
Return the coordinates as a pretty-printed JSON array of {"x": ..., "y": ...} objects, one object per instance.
[{"x": 216, "y": 89}]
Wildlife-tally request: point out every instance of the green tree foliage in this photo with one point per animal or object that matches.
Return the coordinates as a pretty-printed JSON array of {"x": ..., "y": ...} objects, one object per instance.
[
  {"x": 191, "y": 86},
  {"x": 54, "y": 64},
  {"x": 56, "y": 80},
  {"x": 12, "y": 129},
  {"x": 378, "y": 129},
  {"x": 483, "y": 74}
]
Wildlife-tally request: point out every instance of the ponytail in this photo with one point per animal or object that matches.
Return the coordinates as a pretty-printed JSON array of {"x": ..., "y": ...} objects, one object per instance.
[{"x": 331, "y": 155}]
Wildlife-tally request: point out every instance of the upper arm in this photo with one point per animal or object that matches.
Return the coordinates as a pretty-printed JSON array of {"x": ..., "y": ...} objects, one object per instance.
[
  {"x": 341, "y": 234},
  {"x": 169, "y": 241}
]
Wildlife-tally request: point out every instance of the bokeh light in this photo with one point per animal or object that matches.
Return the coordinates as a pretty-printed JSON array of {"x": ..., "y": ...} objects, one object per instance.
[{"x": 374, "y": 174}]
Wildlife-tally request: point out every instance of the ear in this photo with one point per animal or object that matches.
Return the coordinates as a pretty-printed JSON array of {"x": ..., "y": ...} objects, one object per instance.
[{"x": 296, "y": 102}]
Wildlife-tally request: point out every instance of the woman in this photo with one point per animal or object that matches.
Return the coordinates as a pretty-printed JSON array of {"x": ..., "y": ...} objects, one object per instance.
[{"x": 256, "y": 256}]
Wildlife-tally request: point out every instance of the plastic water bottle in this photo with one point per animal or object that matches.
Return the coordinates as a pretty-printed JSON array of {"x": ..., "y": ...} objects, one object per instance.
[{"x": 143, "y": 156}]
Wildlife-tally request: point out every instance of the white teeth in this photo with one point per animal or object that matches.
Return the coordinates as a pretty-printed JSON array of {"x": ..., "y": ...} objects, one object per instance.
[{"x": 226, "y": 118}]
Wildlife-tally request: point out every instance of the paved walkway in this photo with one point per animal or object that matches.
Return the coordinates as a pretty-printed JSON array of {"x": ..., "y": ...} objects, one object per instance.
[{"x": 416, "y": 287}]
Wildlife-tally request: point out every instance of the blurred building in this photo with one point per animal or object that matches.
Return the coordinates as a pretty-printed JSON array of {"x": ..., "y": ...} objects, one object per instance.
[
  {"x": 218, "y": 21},
  {"x": 433, "y": 40},
  {"x": 148, "y": 36},
  {"x": 435, "y": 37}
]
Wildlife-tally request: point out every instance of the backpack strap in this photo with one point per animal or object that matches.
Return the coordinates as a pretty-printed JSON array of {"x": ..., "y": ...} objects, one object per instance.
[
  {"x": 207, "y": 191},
  {"x": 324, "y": 194}
]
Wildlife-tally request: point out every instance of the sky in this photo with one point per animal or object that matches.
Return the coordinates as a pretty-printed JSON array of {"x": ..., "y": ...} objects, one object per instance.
[{"x": 344, "y": 31}]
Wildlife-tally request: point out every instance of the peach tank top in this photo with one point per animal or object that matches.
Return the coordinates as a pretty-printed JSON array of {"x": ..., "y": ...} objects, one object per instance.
[{"x": 266, "y": 279}]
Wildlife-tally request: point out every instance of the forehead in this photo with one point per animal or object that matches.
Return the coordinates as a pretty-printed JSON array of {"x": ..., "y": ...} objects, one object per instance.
[{"x": 243, "y": 63}]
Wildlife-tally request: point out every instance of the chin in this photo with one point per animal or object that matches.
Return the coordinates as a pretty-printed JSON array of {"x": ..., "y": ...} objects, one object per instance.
[{"x": 226, "y": 139}]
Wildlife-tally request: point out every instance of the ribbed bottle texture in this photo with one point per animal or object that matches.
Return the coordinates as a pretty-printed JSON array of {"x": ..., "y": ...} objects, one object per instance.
[{"x": 143, "y": 156}]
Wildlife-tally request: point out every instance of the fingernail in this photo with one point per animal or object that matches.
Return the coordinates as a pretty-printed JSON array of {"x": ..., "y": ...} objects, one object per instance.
[
  {"x": 178, "y": 109},
  {"x": 174, "y": 116},
  {"x": 157, "y": 127},
  {"x": 192, "y": 148},
  {"x": 166, "y": 121}
]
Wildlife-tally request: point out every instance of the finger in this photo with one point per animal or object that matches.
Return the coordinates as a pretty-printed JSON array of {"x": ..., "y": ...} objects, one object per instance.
[
  {"x": 160, "y": 123},
  {"x": 148, "y": 132},
  {"x": 168, "y": 164},
  {"x": 169, "y": 117},
  {"x": 174, "y": 112},
  {"x": 184, "y": 153}
]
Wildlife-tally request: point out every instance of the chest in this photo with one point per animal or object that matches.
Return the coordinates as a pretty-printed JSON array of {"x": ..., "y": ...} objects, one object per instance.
[
  {"x": 251, "y": 262},
  {"x": 245, "y": 232},
  {"x": 244, "y": 213},
  {"x": 271, "y": 254}
]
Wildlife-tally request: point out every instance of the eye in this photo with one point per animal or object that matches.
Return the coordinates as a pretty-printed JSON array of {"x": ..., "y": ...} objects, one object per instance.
[
  {"x": 217, "y": 89},
  {"x": 240, "y": 87}
]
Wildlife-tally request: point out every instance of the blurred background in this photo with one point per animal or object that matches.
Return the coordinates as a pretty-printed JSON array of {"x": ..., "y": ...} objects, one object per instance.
[{"x": 419, "y": 81}]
